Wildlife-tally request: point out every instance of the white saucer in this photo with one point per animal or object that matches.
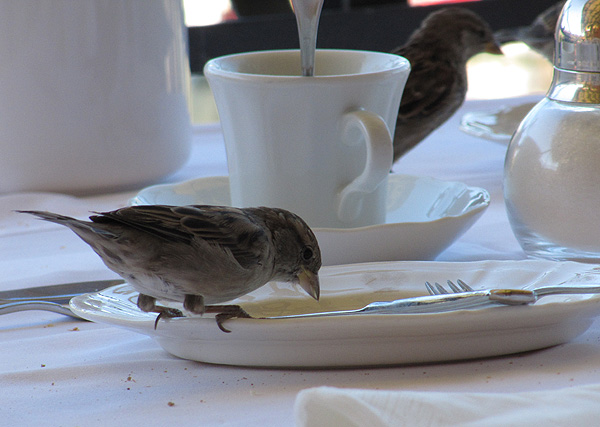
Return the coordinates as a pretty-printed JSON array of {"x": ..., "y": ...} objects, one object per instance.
[
  {"x": 424, "y": 217},
  {"x": 368, "y": 340},
  {"x": 495, "y": 125}
]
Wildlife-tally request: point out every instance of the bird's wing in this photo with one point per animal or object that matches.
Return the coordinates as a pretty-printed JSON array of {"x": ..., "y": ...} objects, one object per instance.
[
  {"x": 231, "y": 229},
  {"x": 429, "y": 86}
]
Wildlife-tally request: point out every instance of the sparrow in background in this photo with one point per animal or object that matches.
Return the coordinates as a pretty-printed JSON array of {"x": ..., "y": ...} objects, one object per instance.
[
  {"x": 200, "y": 255},
  {"x": 539, "y": 36},
  {"x": 438, "y": 52}
]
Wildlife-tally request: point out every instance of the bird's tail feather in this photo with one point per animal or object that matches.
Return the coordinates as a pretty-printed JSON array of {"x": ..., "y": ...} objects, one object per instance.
[
  {"x": 49, "y": 216},
  {"x": 74, "y": 224}
]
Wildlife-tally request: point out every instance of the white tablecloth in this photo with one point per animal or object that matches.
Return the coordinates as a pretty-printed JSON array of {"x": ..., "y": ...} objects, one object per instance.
[{"x": 58, "y": 371}]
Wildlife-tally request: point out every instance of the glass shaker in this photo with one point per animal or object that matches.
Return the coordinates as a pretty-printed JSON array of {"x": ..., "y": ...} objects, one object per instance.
[{"x": 552, "y": 167}]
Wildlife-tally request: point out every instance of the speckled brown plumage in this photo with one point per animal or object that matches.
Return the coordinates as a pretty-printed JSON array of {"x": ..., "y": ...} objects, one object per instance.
[
  {"x": 438, "y": 52},
  {"x": 200, "y": 254}
]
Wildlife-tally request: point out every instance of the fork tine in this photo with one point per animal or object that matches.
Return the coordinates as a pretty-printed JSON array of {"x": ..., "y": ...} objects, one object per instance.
[
  {"x": 435, "y": 289},
  {"x": 458, "y": 287},
  {"x": 440, "y": 288},
  {"x": 454, "y": 288},
  {"x": 430, "y": 288},
  {"x": 464, "y": 286}
]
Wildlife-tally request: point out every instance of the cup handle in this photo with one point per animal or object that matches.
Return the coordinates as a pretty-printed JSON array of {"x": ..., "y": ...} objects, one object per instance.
[{"x": 377, "y": 166}]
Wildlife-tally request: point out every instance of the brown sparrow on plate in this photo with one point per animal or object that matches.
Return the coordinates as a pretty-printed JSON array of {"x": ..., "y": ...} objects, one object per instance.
[{"x": 200, "y": 255}]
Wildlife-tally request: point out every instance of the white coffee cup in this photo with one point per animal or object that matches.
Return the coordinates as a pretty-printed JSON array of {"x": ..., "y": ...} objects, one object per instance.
[
  {"x": 318, "y": 146},
  {"x": 93, "y": 94}
]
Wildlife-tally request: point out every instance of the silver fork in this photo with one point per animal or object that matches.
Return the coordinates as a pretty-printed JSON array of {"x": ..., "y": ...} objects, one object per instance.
[
  {"x": 510, "y": 296},
  {"x": 439, "y": 301}
]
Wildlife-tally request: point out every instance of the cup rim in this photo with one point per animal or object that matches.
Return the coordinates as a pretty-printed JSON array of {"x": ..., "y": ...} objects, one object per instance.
[{"x": 397, "y": 64}]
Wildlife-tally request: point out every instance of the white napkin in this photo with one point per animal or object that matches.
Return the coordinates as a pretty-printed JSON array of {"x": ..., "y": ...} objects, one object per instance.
[{"x": 331, "y": 407}]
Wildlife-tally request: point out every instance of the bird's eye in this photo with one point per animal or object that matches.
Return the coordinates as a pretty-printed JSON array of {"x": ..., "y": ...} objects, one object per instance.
[{"x": 307, "y": 254}]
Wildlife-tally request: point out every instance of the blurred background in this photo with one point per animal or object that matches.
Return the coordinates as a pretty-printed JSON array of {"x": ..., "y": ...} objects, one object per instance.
[{"x": 220, "y": 27}]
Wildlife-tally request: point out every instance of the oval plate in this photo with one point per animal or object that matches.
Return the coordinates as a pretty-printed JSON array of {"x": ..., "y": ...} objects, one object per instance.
[{"x": 368, "y": 340}]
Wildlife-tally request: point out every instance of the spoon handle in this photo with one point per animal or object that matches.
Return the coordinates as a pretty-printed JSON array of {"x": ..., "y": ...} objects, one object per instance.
[{"x": 307, "y": 13}]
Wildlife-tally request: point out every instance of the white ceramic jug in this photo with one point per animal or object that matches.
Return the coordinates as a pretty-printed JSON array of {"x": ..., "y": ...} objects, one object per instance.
[{"x": 93, "y": 94}]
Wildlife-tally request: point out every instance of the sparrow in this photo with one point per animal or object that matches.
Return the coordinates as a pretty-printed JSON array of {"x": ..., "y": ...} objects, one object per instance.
[
  {"x": 200, "y": 255},
  {"x": 438, "y": 52},
  {"x": 539, "y": 36}
]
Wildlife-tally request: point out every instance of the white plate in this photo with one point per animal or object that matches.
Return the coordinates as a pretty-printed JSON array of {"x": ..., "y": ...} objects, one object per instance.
[
  {"x": 497, "y": 125},
  {"x": 424, "y": 217},
  {"x": 366, "y": 340}
]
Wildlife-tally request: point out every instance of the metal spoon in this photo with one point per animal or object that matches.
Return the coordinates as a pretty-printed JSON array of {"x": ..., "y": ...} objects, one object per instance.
[{"x": 307, "y": 13}]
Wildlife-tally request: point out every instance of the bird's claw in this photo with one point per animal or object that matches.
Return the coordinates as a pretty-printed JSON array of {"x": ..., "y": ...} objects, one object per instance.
[
  {"x": 166, "y": 312},
  {"x": 226, "y": 312}
]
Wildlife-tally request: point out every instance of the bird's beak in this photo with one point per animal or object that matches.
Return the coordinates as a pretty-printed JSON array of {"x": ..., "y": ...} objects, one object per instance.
[
  {"x": 309, "y": 282},
  {"x": 493, "y": 48}
]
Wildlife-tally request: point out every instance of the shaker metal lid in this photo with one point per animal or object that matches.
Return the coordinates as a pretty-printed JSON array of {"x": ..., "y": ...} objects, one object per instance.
[{"x": 577, "y": 38}]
